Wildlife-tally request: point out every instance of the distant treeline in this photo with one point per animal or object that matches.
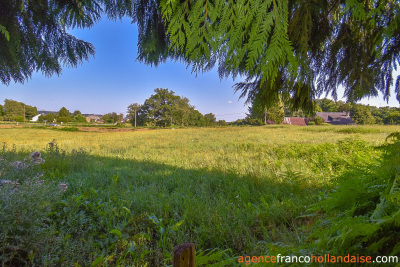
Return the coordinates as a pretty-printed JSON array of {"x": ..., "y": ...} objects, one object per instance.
[
  {"x": 164, "y": 108},
  {"x": 19, "y": 112},
  {"x": 361, "y": 114}
]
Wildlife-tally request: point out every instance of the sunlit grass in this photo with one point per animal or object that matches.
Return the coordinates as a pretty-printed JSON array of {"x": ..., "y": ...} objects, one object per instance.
[{"x": 237, "y": 188}]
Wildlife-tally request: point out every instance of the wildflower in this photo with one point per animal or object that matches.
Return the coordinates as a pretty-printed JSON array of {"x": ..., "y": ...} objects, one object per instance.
[
  {"x": 5, "y": 182},
  {"x": 19, "y": 165},
  {"x": 63, "y": 186},
  {"x": 9, "y": 182},
  {"x": 36, "y": 158}
]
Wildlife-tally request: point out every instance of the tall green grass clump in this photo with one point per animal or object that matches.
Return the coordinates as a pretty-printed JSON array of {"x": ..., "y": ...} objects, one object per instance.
[
  {"x": 360, "y": 214},
  {"x": 363, "y": 213}
]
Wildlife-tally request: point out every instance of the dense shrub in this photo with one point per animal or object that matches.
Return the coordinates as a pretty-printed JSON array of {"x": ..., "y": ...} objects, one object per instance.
[
  {"x": 68, "y": 129},
  {"x": 318, "y": 120},
  {"x": 64, "y": 119}
]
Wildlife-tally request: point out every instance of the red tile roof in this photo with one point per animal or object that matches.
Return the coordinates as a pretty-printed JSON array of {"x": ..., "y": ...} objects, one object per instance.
[{"x": 295, "y": 121}]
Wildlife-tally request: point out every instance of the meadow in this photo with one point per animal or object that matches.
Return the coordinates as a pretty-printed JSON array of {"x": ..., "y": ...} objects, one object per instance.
[{"x": 132, "y": 196}]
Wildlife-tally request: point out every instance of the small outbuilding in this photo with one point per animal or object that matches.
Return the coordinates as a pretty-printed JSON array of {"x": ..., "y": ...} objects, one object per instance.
[
  {"x": 93, "y": 118},
  {"x": 295, "y": 121}
]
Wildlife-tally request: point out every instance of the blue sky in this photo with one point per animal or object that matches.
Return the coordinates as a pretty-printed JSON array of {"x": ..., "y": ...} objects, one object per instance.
[{"x": 113, "y": 79}]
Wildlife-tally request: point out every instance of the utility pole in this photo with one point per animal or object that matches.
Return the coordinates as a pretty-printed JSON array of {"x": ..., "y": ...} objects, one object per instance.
[
  {"x": 24, "y": 113},
  {"x": 135, "y": 107},
  {"x": 135, "y": 117},
  {"x": 265, "y": 116}
]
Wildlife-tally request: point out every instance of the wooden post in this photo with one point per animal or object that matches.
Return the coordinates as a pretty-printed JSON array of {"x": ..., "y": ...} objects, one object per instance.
[{"x": 183, "y": 255}]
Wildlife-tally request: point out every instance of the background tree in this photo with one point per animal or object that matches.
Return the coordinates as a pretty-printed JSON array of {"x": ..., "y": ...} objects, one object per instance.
[
  {"x": 181, "y": 111},
  {"x": 112, "y": 117},
  {"x": 49, "y": 117},
  {"x": 106, "y": 118},
  {"x": 209, "y": 119},
  {"x": 14, "y": 109},
  {"x": 115, "y": 117},
  {"x": 76, "y": 112},
  {"x": 361, "y": 114},
  {"x": 1, "y": 113},
  {"x": 164, "y": 108},
  {"x": 382, "y": 114},
  {"x": 393, "y": 118},
  {"x": 196, "y": 118},
  {"x": 317, "y": 108},
  {"x": 222, "y": 123},
  {"x": 376, "y": 114},
  {"x": 255, "y": 113},
  {"x": 63, "y": 115},
  {"x": 276, "y": 113},
  {"x": 132, "y": 112},
  {"x": 30, "y": 112},
  {"x": 157, "y": 109},
  {"x": 327, "y": 105},
  {"x": 63, "y": 112},
  {"x": 342, "y": 106},
  {"x": 79, "y": 118}
]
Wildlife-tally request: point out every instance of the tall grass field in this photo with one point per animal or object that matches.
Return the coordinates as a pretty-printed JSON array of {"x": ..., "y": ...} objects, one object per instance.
[{"x": 127, "y": 198}]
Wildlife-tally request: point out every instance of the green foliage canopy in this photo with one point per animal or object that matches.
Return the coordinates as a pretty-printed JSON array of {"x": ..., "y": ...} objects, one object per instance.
[
  {"x": 64, "y": 119},
  {"x": 299, "y": 49},
  {"x": 361, "y": 114},
  {"x": 13, "y": 109},
  {"x": 111, "y": 117},
  {"x": 157, "y": 109},
  {"x": 79, "y": 118},
  {"x": 276, "y": 113},
  {"x": 210, "y": 119},
  {"x": 63, "y": 112},
  {"x": 49, "y": 117},
  {"x": 164, "y": 108},
  {"x": 327, "y": 105},
  {"x": 35, "y": 36},
  {"x": 281, "y": 47}
]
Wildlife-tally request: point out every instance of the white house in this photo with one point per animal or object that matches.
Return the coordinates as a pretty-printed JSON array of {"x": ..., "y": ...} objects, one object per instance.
[{"x": 36, "y": 118}]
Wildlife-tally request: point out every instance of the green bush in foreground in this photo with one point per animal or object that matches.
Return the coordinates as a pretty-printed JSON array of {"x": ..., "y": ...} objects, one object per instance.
[{"x": 361, "y": 213}]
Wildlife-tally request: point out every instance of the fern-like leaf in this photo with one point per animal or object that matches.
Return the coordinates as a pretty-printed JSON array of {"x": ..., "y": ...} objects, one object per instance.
[
  {"x": 395, "y": 136},
  {"x": 4, "y": 31}
]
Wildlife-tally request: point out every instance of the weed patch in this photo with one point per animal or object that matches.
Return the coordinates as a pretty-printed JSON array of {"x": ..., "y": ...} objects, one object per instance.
[{"x": 68, "y": 129}]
